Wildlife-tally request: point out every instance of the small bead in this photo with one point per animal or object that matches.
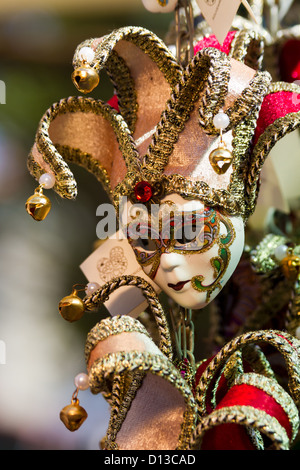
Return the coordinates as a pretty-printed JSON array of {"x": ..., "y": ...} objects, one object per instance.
[
  {"x": 47, "y": 180},
  {"x": 91, "y": 287},
  {"x": 160, "y": 6},
  {"x": 280, "y": 252},
  {"x": 221, "y": 120},
  {"x": 82, "y": 381},
  {"x": 86, "y": 54},
  {"x": 297, "y": 332}
]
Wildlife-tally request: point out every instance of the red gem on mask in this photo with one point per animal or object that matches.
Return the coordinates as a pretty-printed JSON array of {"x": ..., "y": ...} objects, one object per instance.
[
  {"x": 289, "y": 62},
  {"x": 143, "y": 191}
]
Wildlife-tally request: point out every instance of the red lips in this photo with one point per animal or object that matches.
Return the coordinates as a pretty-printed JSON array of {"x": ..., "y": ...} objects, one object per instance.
[{"x": 178, "y": 286}]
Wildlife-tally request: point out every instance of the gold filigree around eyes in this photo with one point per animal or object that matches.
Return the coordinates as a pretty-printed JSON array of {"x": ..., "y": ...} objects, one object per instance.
[{"x": 219, "y": 263}]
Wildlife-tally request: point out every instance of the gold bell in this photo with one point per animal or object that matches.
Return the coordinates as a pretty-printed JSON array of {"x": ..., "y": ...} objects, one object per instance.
[
  {"x": 71, "y": 307},
  {"x": 38, "y": 205},
  {"x": 85, "y": 79},
  {"x": 73, "y": 415},
  {"x": 290, "y": 266},
  {"x": 220, "y": 159}
]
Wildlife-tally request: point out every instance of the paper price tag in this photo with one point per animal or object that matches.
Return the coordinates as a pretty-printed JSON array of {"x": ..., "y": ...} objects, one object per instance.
[
  {"x": 284, "y": 7},
  {"x": 220, "y": 14},
  {"x": 113, "y": 258}
]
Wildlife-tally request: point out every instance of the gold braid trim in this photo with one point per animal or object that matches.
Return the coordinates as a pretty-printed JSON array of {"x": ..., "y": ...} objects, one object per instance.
[
  {"x": 286, "y": 344},
  {"x": 273, "y": 133},
  {"x": 123, "y": 82},
  {"x": 207, "y": 77},
  {"x": 216, "y": 89},
  {"x": 118, "y": 363},
  {"x": 248, "y": 47},
  {"x": 89, "y": 163},
  {"x": 102, "y": 294},
  {"x": 284, "y": 86},
  {"x": 112, "y": 326},
  {"x": 120, "y": 402},
  {"x": 274, "y": 390},
  {"x": 65, "y": 183},
  {"x": 234, "y": 367},
  {"x": 266, "y": 142},
  {"x": 147, "y": 41},
  {"x": 245, "y": 416},
  {"x": 242, "y": 136},
  {"x": 122, "y": 389}
]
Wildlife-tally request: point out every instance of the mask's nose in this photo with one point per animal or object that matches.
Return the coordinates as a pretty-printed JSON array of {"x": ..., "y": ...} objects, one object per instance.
[{"x": 170, "y": 261}]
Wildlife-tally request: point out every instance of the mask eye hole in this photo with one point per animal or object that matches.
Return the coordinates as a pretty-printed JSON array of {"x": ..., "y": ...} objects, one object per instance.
[
  {"x": 146, "y": 244},
  {"x": 188, "y": 233}
]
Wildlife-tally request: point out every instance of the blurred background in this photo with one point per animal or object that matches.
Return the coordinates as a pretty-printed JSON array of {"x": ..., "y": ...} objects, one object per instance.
[{"x": 40, "y": 352}]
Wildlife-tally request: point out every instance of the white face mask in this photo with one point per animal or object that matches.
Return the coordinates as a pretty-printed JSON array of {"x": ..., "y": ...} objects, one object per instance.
[{"x": 192, "y": 261}]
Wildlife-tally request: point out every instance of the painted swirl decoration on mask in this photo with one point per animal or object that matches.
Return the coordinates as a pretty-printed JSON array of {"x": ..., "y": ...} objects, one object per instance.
[
  {"x": 220, "y": 262},
  {"x": 181, "y": 232}
]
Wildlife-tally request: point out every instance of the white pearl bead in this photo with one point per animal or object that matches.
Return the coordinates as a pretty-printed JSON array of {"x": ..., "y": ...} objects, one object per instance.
[
  {"x": 297, "y": 332},
  {"x": 47, "y": 180},
  {"x": 155, "y": 7},
  {"x": 86, "y": 54},
  {"x": 82, "y": 381},
  {"x": 221, "y": 120},
  {"x": 280, "y": 252},
  {"x": 91, "y": 287}
]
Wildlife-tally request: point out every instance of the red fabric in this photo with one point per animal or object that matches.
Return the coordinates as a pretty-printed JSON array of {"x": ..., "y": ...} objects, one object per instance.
[
  {"x": 113, "y": 102},
  {"x": 289, "y": 61},
  {"x": 233, "y": 436},
  {"x": 248, "y": 395},
  {"x": 224, "y": 436},
  {"x": 212, "y": 41},
  {"x": 227, "y": 437},
  {"x": 275, "y": 106}
]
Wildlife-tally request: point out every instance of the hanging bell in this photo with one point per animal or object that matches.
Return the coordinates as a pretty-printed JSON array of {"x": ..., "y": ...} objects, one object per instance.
[
  {"x": 73, "y": 415},
  {"x": 38, "y": 205},
  {"x": 85, "y": 79},
  {"x": 220, "y": 159},
  {"x": 71, "y": 307},
  {"x": 290, "y": 266}
]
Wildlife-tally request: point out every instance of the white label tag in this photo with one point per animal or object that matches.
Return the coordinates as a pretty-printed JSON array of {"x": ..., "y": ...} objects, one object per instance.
[
  {"x": 219, "y": 14},
  {"x": 284, "y": 6},
  {"x": 113, "y": 258}
]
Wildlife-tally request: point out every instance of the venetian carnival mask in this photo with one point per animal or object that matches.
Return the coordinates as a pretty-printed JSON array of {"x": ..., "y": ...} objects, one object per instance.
[
  {"x": 189, "y": 250},
  {"x": 184, "y": 147}
]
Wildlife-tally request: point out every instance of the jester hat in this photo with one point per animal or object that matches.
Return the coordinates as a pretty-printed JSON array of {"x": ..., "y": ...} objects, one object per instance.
[{"x": 159, "y": 127}]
